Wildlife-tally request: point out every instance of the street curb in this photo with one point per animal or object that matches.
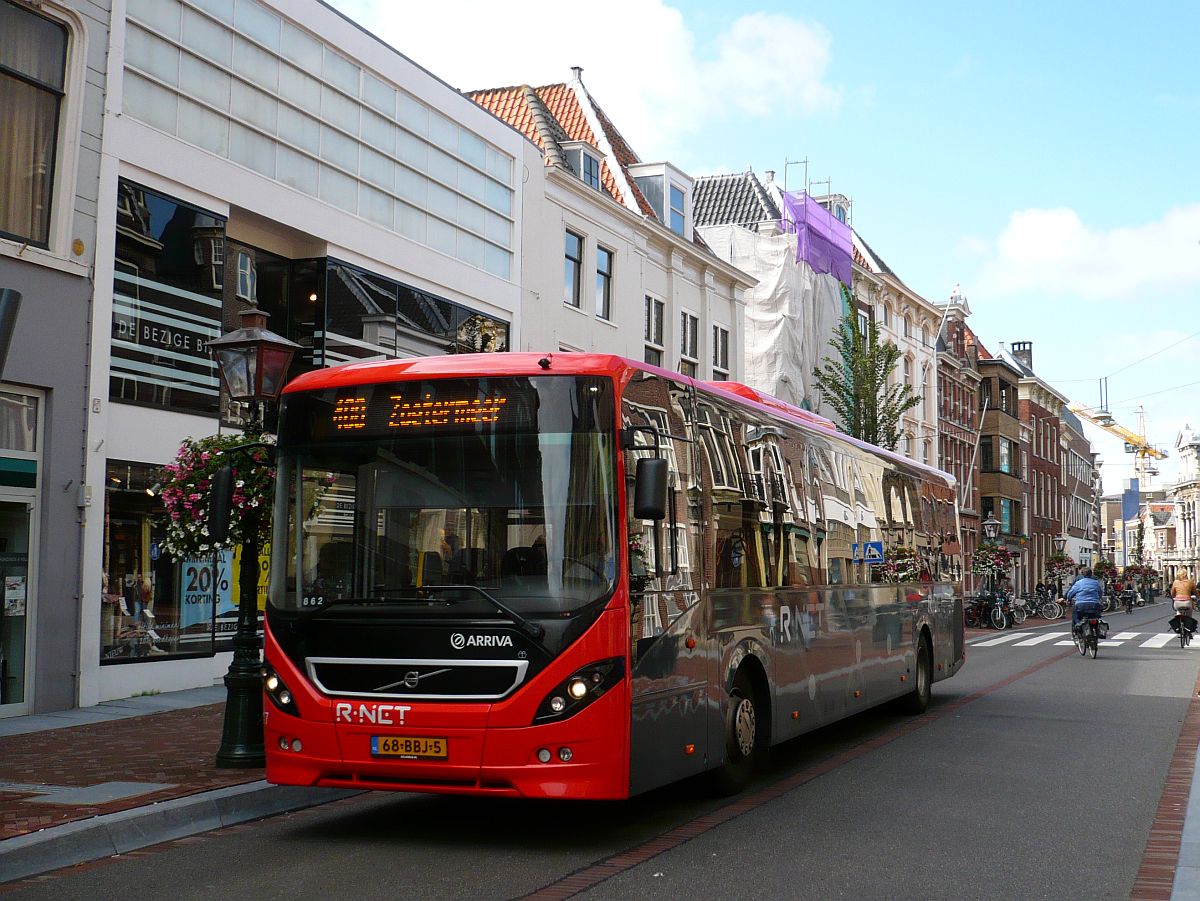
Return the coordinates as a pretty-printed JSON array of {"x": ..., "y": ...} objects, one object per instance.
[{"x": 128, "y": 830}]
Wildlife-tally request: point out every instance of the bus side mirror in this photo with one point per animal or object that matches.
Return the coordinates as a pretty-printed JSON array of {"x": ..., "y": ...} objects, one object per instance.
[
  {"x": 221, "y": 492},
  {"x": 650, "y": 489}
]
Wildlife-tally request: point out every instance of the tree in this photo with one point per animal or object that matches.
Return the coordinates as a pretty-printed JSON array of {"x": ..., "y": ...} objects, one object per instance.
[{"x": 855, "y": 383}]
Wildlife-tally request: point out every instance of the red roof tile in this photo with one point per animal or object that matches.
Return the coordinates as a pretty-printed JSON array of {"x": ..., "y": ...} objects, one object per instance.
[{"x": 566, "y": 117}]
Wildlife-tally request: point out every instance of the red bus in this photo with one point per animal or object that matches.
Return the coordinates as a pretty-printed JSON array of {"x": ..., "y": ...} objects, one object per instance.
[{"x": 579, "y": 576}]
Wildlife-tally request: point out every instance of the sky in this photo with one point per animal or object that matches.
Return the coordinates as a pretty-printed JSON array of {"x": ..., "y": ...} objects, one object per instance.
[{"x": 1040, "y": 155}]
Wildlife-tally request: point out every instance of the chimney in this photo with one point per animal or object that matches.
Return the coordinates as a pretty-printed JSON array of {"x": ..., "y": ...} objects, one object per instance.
[
  {"x": 1022, "y": 351},
  {"x": 770, "y": 173},
  {"x": 577, "y": 73}
]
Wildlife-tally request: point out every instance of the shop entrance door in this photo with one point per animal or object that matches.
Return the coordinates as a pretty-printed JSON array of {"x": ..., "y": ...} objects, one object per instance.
[{"x": 16, "y": 606}]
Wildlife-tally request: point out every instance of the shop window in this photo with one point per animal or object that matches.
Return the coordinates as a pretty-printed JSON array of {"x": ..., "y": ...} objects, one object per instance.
[{"x": 154, "y": 606}]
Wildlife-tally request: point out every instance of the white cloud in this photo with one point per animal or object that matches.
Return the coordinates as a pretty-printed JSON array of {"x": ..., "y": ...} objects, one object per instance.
[
  {"x": 640, "y": 59},
  {"x": 1052, "y": 252}
]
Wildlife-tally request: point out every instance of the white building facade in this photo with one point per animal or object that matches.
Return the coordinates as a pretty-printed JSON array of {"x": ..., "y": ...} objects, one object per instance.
[
  {"x": 268, "y": 153},
  {"x": 611, "y": 261}
]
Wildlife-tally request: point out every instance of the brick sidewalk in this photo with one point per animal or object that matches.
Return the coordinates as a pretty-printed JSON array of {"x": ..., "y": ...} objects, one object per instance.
[{"x": 175, "y": 747}]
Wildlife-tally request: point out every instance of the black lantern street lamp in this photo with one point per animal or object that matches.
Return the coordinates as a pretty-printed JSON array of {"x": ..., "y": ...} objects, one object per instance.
[
  {"x": 1060, "y": 543},
  {"x": 253, "y": 362},
  {"x": 991, "y": 529}
]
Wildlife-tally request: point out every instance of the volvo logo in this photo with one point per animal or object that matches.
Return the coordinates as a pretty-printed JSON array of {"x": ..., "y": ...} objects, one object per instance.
[
  {"x": 412, "y": 679},
  {"x": 458, "y": 641}
]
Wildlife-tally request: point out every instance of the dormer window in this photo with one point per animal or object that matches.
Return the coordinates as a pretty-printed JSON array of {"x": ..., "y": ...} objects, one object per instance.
[
  {"x": 666, "y": 190},
  {"x": 584, "y": 161},
  {"x": 677, "y": 209},
  {"x": 591, "y": 170}
]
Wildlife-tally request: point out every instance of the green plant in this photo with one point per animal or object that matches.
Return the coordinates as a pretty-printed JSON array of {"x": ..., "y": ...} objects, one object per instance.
[
  {"x": 1059, "y": 566},
  {"x": 187, "y": 492},
  {"x": 855, "y": 382},
  {"x": 992, "y": 560}
]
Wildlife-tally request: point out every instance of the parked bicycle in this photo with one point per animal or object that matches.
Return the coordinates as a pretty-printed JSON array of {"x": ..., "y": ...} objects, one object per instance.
[
  {"x": 986, "y": 610},
  {"x": 1050, "y": 609}
]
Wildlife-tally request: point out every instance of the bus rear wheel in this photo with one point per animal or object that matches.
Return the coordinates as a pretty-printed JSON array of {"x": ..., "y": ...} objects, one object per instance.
[
  {"x": 917, "y": 700},
  {"x": 743, "y": 737}
]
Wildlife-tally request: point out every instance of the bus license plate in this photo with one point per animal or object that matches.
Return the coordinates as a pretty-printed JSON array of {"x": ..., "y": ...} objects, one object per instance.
[{"x": 408, "y": 747}]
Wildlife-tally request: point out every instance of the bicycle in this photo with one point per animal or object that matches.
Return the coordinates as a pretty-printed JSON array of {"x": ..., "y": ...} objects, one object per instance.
[
  {"x": 1050, "y": 609},
  {"x": 1129, "y": 598},
  {"x": 1087, "y": 636},
  {"x": 1020, "y": 608},
  {"x": 1178, "y": 625}
]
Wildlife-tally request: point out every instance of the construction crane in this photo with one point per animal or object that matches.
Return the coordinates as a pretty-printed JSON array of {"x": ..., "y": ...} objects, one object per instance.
[{"x": 1135, "y": 443}]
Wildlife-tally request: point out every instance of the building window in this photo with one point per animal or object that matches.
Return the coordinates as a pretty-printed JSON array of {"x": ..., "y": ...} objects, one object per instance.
[
  {"x": 689, "y": 344},
  {"x": 591, "y": 170},
  {"x": 247, "y": 277},
  {"x": 654, "y": 330},
  {"x": 907, "y": 327},
  {"x": 33, "y": 61},
  {"x": 908, "y": 370},
  {"x": 720, "y": 354},
  {"x": 864, "y": 330},
  {"x": 604, "y": 273},
  {"x": 572, "y": 267},
  {"x": 677, "y": 210},
  {"x": 218, "y": 263}
]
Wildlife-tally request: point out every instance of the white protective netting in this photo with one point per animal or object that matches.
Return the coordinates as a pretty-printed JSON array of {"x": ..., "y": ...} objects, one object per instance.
[{"x": 790, "y": 314}]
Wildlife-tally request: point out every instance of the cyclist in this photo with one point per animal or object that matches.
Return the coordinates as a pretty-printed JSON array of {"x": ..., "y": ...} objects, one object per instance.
[
  {"x": 1183, "y": 589},
  {"x": 1086, "y": 595}
]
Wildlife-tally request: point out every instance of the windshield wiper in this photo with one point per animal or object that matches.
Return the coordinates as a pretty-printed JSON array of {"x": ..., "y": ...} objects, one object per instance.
[{"x": 530, "y": 628}]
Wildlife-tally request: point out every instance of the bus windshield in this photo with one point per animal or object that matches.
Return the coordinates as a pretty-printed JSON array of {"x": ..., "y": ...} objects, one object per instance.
[{"x": 391, "y": 494}]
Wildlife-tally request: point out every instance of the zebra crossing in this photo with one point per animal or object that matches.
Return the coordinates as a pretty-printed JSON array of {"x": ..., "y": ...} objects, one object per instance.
[{"x": 1120, "y": 639}]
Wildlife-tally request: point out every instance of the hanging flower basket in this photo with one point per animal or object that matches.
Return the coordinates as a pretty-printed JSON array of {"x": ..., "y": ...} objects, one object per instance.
[
  {"x": 1059, "y": 566},
  {"x": 187, "y": 493},
  {"x": 992, "y": 560}
]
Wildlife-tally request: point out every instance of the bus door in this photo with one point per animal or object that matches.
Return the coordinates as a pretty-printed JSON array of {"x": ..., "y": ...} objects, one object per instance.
[{"x": 668, "y": 735}]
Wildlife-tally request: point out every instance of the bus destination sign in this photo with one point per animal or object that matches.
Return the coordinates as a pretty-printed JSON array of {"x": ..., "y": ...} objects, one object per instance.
[{"x": 425, "y": 412}]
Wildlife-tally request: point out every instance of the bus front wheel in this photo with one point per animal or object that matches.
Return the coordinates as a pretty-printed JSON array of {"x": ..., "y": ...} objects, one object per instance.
[{"x": 743, "y": 737}]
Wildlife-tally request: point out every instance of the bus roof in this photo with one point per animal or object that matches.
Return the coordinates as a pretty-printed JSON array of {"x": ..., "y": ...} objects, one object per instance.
[{"x": 564, "y": 363}]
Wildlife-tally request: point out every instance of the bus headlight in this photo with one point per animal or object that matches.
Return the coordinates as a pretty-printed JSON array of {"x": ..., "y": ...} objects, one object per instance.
[
  {"x": 280, "y": 694},
  {"x": 579, "y": 689}
]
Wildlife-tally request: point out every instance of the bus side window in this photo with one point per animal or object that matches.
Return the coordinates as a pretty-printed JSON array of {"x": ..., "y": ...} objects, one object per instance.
[{"x": 663, "y": 554}]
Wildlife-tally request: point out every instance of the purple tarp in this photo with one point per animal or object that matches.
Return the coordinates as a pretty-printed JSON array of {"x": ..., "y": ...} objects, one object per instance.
[{"x": 821, "y": 240}]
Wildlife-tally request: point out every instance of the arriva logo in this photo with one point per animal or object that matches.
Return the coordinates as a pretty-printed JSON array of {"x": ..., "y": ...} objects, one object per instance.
[{"x": 458, "y": 641}]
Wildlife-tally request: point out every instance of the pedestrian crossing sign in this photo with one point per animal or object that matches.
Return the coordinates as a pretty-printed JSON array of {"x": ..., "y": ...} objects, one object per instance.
[{"x": 867, "y": 552}]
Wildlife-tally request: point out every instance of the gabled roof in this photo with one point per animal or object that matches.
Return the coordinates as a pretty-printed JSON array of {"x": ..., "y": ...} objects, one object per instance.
[
  {"x": 970, "y": 338},
  {"x": 872, "y": 261},
  {"x": 552, "y": 115},
  {"x": 737, "y": 199}
]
